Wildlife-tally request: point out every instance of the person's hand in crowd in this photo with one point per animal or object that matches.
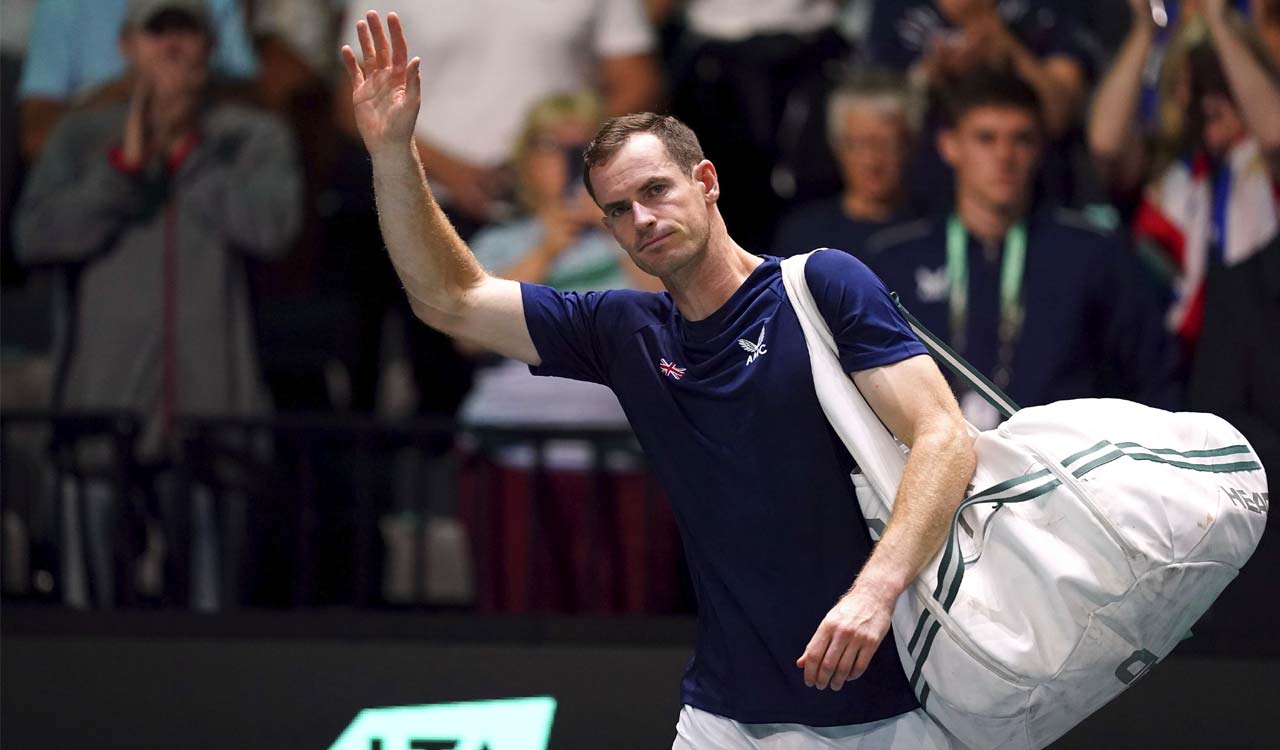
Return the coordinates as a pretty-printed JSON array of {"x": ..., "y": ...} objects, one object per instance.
[
  {"x": 386, "y": 90},
  {"x": 564, "y": 222},
  {"x": 133, "y": 147},
  {"x": 989, "y": 39}
]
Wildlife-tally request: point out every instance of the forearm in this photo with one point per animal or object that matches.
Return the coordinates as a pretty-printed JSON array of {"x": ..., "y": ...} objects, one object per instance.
[
  {"x": 938, "y": 470},
  {"x": 65, "y": 217},
  {"x": 1255, "y": 92},
  {"x": 434, "y": 264},
  {"x": 533, "y": 268},
  {"x": 1058, "y": 97},
  {"x": 1115, "y": 101}
]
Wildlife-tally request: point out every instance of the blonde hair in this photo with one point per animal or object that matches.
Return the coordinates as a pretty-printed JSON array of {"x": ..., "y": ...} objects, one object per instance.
[{"x": 554, "y": 109}]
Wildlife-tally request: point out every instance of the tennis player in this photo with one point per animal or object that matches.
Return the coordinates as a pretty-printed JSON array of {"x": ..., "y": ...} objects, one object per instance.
[{"x": 714, "y": 375}]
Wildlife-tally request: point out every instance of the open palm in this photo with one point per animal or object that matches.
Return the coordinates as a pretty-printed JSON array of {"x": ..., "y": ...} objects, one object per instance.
[{"x": 386, "y": 90}]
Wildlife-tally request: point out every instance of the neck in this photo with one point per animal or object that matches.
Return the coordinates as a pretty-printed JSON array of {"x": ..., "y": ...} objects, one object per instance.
[
  {"x": 703, "y": 286},
  {"x": 861, "y": 207},
  {"x": 986, "y": 222}
]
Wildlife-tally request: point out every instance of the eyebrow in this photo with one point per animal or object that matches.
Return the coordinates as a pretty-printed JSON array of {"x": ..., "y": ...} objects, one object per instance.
[{"x": 645, "y": 186}]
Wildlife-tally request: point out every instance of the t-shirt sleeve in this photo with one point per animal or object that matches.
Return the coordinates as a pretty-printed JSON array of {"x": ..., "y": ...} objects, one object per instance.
[
  {"x": 570, "y": 332},
  {"x": 234, "y": 54},
  {"x": 622, "y": 29},
  {"x": 868, "y": 329},
  {"x": 48, "y": 70}
]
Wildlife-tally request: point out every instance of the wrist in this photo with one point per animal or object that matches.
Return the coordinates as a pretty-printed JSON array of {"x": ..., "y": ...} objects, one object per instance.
[
  {"x": 884, "y": 585},
  {"x": 396, "y": 152}
]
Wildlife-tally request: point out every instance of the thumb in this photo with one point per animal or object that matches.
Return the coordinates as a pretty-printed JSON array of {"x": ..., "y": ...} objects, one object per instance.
[{"x": 412, "y": 79}]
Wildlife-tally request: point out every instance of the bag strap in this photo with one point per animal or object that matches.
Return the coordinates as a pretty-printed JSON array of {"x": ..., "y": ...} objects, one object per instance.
[{"x": 957, "y": 364}]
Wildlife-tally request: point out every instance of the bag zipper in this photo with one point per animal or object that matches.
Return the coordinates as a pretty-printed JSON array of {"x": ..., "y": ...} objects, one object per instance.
[{"x": 1073, "y": 484}]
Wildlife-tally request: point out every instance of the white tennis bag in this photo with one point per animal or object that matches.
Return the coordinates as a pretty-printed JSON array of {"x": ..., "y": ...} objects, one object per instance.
[{"x": 1095, "y": 534}]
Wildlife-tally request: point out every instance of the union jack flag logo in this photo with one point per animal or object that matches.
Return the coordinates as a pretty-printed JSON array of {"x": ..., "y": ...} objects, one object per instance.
[{"x": 670, "y": 368}]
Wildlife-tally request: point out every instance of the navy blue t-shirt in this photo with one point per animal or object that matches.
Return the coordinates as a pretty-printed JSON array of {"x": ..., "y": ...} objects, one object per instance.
[{"x": 726, "y": 411}]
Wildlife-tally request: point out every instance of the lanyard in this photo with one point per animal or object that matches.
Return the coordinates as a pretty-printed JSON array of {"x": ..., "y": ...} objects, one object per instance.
[{"x": 1011, "y": 311}]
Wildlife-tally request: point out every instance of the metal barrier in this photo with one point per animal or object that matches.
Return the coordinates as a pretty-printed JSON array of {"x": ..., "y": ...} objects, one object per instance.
[{"x": 295, "y": 503}]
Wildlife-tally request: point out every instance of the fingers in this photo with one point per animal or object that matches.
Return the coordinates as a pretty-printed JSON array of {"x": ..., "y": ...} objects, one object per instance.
[
  {"x": 353, "y": 67},
  {"x": 845, "y": 667},
  {"x": 830, "y": 661},
  {"x": 381, "y": 45},
  {"x": 813, "y": 654},
  {"x": 412, "y": 82},
  {"x": 369, "y": 56},
  {"x": 865, "y": 653},
  {"x": 399, "y": 48}
]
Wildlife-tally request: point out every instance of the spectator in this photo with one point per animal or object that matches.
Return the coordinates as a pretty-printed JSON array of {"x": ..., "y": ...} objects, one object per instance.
[
  {"x": 74, "y": 52},
  {"x": 1209, "y": 172},
  {"x": 1046, "y": 306},
  {"x": 937, "y": 42},
  {"x": 491, "y": 60},
  {"x": 870, "y": 126},
  {"x": 150, "y": 208},
  {"x": 767, "y": 67},
  {"x": 559, "y": 241}
]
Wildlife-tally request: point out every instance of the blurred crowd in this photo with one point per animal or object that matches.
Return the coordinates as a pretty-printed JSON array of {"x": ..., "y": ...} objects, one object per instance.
[{"x": 1079, "y": 196}]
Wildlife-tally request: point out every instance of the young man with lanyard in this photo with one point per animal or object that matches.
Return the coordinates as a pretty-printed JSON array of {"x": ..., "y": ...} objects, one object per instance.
[
  {"x": 1044, "y": 304},
  {"x": 715, "y": 378}
]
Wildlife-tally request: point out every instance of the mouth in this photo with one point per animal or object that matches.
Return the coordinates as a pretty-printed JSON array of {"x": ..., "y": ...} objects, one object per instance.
[{"x": 653, "y": 241}]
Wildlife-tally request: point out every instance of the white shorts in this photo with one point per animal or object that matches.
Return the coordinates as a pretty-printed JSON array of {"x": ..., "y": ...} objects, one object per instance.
[{"x": 700, "y": 730}]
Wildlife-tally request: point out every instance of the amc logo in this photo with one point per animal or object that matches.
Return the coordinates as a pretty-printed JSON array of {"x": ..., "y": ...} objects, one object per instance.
[{"x": 514, "y": 724}]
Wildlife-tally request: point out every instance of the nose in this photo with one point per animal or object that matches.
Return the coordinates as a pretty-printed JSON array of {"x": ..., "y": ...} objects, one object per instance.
[{"x": 644, "y": 218}]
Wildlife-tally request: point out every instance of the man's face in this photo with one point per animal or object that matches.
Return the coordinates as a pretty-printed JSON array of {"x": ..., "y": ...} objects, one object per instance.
[
  {"x": 658, "y": 213},
  {"x": 871, "y": 150},
  {"x": 994, "y": 151},
  {"x": 1222, "y": 126},
  {"x": 171, "y": 50}
]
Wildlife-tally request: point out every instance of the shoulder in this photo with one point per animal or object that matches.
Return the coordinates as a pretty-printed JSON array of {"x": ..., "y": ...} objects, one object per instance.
[
  {"x": 1073, "y": 229},
  {"x": 899, "y": 236},
  {"x": 230, "y": 115}
]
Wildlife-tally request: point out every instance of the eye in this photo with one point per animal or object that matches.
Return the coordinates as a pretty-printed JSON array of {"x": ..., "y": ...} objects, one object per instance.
[
  {"x": 657, "y": 189},
  {"x": 617, "y": 211}
]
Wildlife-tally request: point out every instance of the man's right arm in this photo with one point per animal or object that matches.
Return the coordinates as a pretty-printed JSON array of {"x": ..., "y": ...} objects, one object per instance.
[{"x": 447, "y": 288}]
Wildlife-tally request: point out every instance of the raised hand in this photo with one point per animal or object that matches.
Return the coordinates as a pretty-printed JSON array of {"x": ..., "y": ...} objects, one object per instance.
[{"x": 386, "y": 90}]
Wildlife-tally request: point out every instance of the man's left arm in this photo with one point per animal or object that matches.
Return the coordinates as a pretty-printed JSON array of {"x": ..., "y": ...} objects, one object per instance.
[{"x": 914, "y": 402}]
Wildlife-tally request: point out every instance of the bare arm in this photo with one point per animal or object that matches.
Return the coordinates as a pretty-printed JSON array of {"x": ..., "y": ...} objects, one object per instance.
[
  {"x": 914, "y": 402},
  {"x": 1114, "y": 139},
  {"x": 447, "y": 288},
  {"x": 1256, "y": 93}
]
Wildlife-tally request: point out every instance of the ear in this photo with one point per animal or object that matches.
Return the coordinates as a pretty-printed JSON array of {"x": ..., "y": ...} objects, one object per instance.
[
  {"x": 704, "y": 174},
  {"x": 949, "y": 146}
]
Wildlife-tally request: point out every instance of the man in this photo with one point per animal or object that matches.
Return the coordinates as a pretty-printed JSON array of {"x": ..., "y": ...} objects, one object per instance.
[
  {"x": 74, "y": 53},
  {"x": 1037, "y": 299},
  {"x": 715, "y": 379},
  {"x": 150, "y": 209},
  {"x": 870, "y": 131},
  {"x": 937, "y": 43}
]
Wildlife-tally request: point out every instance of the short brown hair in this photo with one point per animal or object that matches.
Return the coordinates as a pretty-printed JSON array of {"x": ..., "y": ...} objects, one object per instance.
[{"x": 681, "y": 144}]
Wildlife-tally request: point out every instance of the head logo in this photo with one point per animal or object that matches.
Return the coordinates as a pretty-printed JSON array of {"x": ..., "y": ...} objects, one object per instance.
[{"x": 515, "y": 724}]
